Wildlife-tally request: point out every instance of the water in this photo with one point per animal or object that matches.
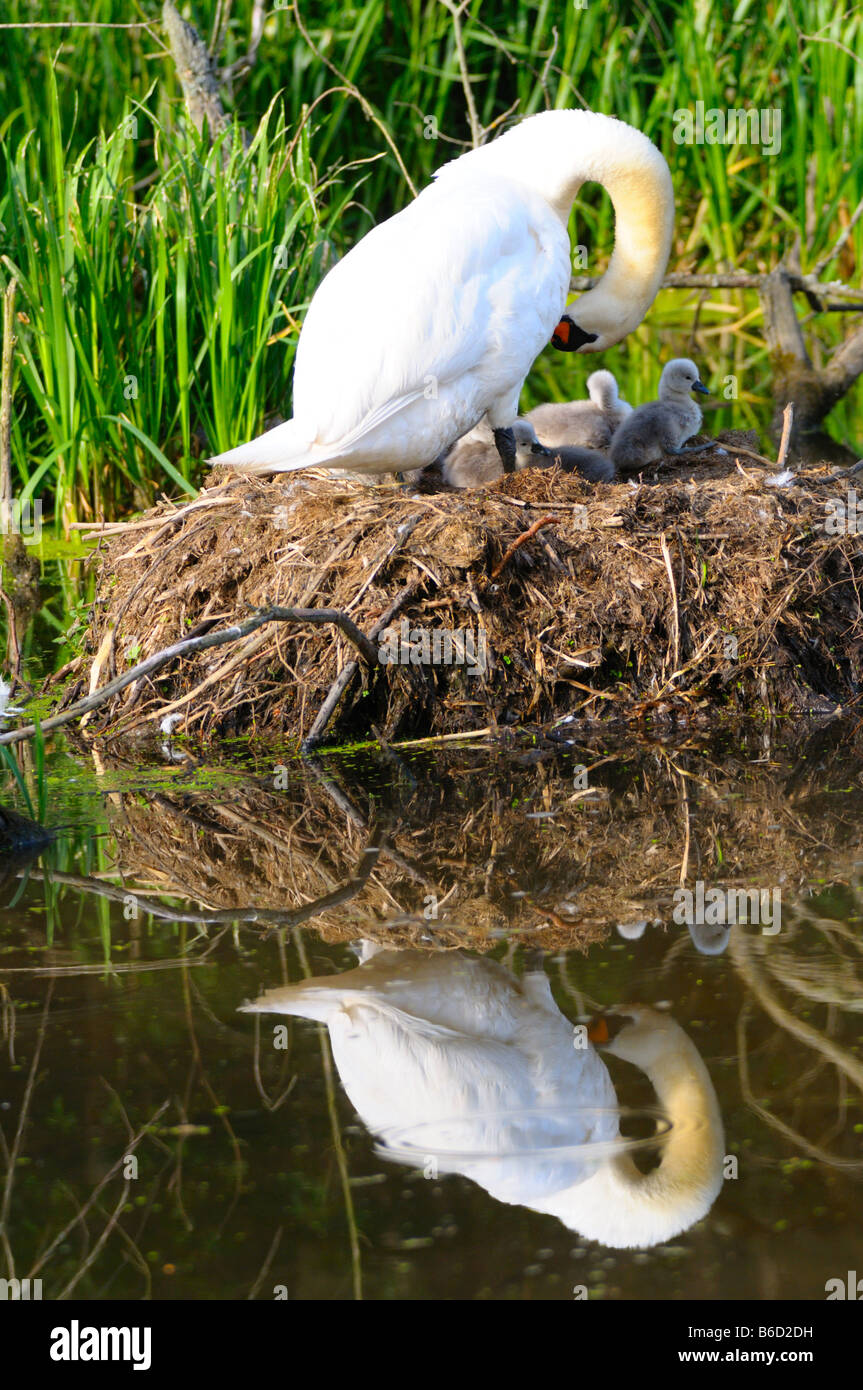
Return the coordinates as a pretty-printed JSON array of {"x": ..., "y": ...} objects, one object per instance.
[{"x": 130, "y": 943}]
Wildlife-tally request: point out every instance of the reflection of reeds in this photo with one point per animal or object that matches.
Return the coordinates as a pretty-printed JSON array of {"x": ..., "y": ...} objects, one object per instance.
[
  {"x": 11, "y": 1156},
  {"x": 338, "y": 1144}
]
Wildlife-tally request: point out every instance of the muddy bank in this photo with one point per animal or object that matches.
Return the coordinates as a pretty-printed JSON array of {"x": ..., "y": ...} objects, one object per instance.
[{"x": 702, "y": 590}]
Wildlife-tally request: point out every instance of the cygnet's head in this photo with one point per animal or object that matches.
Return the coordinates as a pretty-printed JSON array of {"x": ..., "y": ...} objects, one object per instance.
[
  {"x": 529, "y": 453},
  {"x": 679, "y": 378}
]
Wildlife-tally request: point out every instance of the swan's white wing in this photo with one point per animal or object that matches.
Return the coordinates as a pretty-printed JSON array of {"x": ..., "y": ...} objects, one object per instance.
[
  {"x": 476, "y": 1105},
  {"x": 469, "y": 278}
]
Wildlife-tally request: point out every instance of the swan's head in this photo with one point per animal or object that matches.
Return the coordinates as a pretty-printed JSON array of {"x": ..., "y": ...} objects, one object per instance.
[
  {"x": 679, "y": 378},
  {"x": 637, "y": 1034},
  {"x": 553, "y": 153},
  {"x": 621, "y": 1206}
]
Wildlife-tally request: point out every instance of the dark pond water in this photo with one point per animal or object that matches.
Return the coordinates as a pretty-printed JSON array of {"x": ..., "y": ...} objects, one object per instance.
[{"x": 451, "y": 1120}]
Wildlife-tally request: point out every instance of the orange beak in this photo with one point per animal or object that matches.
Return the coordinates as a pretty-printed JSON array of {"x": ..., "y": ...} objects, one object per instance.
[{"x": 597, "y": 1030}]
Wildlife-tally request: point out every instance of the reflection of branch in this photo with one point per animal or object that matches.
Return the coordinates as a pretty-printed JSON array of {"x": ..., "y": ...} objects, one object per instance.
[
  {"x": 270, "y": 1256},
  {"x": 741, "y": 953},
  {"x": 218, "y": 1109},
  {"x": 93, "y": 1254},
  {"x": 272, "y": 1105},
  {"x": 814, "y": 1150},
  {"x": 272, "y": 918}
]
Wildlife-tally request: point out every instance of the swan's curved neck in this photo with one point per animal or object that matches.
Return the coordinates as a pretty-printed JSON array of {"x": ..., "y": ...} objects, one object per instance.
[
  {"x": 623, "y": 1207},
  {"x": 554, "y": 153}
]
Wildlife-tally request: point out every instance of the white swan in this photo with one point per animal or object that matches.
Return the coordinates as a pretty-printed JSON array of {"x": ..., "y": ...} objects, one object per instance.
[
  {"x": 434, "y": 318},
  {"x": 661, "y": 426},
  {"x": 475, "y": 1060},
  {"x": 589, "y": 423}
]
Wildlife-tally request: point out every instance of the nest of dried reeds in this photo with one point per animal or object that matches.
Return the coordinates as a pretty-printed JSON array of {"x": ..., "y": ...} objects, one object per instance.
[{"x": 706, "y": 588}]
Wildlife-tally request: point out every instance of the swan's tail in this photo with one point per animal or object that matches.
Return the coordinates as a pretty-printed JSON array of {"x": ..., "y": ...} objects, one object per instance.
[
  {"x": 284, "y": 449},
  {"x": 309, "y": 999},
  {"x": 602, "y": 389}
]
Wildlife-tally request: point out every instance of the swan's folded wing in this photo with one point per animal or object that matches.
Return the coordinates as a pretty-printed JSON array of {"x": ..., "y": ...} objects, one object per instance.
[{"x": 427, "y": 298}]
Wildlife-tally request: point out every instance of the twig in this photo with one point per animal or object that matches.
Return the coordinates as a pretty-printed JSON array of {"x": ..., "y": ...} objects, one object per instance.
[
  {"x": 787, "y": 422},
  {"x": 739, "y": 280},
  {"x": 476, "y": 130},
  {"x": 840, "y": 241},
  {"x": 345, "y": 676},
  {"x": 519, "y": 541},
  {"x": 368, "y": 110},
  {"x": 433, "y": 740},
  {"x": 666, "y": 555},
  {"x": 197, "y": 644}
]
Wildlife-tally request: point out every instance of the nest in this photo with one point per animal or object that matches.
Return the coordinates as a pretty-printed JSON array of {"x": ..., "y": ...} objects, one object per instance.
[{"x": 536, "y": 598}]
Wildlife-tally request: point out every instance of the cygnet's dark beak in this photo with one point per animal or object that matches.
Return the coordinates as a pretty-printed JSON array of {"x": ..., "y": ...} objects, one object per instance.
[
  {"x": 699, "y": 386},
  {"x": 538, "y": 448},
  {"x": 568, "y": 337}
]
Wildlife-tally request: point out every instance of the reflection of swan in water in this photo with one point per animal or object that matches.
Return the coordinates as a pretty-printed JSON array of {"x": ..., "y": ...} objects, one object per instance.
[{"x": 452, "y": 1045}]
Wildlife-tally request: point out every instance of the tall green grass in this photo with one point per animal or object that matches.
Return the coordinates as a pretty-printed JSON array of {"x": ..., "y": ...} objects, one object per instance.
[{"x": 163, "y": 281}]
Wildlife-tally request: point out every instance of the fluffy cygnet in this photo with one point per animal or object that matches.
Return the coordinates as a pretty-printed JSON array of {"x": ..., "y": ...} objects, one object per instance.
[
  {"x": 595, "y": 467},
  {"x": 662, "y": 426},
  {"x": 590, "y": 424},
  {"x": 474, "y": 459}
]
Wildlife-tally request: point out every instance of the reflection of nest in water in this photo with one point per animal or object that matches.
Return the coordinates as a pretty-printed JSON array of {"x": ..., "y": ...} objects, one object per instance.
[
  {"x": 631, "y": 600},
  {"x": 497, "y": 843}
]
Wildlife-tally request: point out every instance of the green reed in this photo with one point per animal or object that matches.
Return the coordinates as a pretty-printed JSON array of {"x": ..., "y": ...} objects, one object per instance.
[{"x": 163, "y": 280}]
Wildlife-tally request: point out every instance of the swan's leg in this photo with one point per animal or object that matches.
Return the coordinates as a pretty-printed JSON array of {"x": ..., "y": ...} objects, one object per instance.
[
  {"x": 505, "y": 444},
  {"x": 694, "y": 448}
]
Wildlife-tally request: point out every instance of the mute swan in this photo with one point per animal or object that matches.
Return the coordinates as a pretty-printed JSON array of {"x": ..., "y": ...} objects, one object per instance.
[
  {"x": 456, "y": 1046},
  {"x": 589, "y": 423},
  {"x": 434, "y": 318},
  {"x": 662, "y": 426},
  {"x": 474, "y": 460}
]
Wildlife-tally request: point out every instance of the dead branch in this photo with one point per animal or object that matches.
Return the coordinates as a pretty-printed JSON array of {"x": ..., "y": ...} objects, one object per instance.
[
  {"x": 188, "y": 646},
  {"x": 345, "y": 676},
  {"x": 519, "y": 541},
  {"x": 195, "y": 71}
]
